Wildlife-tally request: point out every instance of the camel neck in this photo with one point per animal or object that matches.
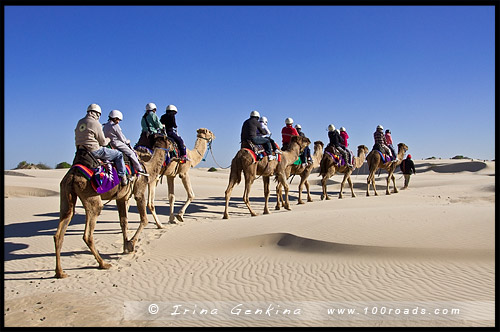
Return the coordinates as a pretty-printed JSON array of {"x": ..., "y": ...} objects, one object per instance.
[{"x": 199, "y": 149}]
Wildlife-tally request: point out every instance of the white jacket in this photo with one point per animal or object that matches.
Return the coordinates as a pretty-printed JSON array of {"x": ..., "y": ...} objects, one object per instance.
[{"x": 114, "y": 133}]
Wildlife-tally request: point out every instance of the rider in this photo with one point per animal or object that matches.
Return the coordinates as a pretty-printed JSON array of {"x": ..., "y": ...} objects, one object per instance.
[
  {"x": 380, "y": 142},
  {"x": 305, "y": 156},
  {"x": 150, "y": 124},
  {"x": 337, "y": 142},
  {"x": 249, "y": 131},
  {"x": 113, "y": 131},
  {"x": 345, "y": 136},
  {"x": 388, "y": 139},
  {"x": 89, "y": 135},
  {"x": 168, "y": 120},
  {"x": 263, "y": 125},
  {"x": 287, "y": 132}
]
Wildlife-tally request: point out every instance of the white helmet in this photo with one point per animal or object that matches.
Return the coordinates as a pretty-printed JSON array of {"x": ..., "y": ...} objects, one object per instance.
[
  {"x": 297, "y": 126},
  {"x": 255, "y": 113},
  {"x": 380, "y": 127},
  {"x": 95, "y": 108},
  {"x": 263, "y": 119},
  {"x": 342, "y": 129},
  {"x": 116, "y": 114},
  {"x": 150, "y": 107},
  {"x": 331, "y": 127},
  {"x": 288, "y": 121},
  {"x": 172, "y": 108}
]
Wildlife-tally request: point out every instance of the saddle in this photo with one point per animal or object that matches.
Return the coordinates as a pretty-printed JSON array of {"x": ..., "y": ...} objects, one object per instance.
[
  {"x": 385, "y": 157},
  {"x": 335, "y": 154},
  {"x": 148, "y": 150},
  {"x": 259, "y": 152},
  {"x": 102, "y": 175}
]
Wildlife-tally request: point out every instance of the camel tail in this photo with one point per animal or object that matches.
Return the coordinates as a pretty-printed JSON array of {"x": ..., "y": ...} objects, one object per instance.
[
  {"x": 323, "y": 166},
  {"x": 67, "y": 196},
  {"x": 236, "y": 169}
]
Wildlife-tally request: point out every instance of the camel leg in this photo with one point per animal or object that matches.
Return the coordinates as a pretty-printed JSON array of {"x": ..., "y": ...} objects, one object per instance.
[
  {"x": 93, "y": 207},
  {"x": 342, "y": 185},
  {"x": 388, "y": 183},
  {"x": 394, "y": 183},
  {"x": 324, "y": 195},
  {"x": 141, "y": 201},
  {"x": 67, "y": 210},
  {"x": 151, "y": 201},
  {"x": 265, "y": 179},
  {"x": 171, "y": 198},
  {"x": 282, "y": 179},
  {"x": 309, "y": 199},
  {"x": 279, "y": 197},
  {"x": 352, "y": 187},
  {"x": 301, "y": 186},
  {"x": 246, "y": 194},
  {"x": 229, "y": 189},
  {"x": 121, "y": 204},
  {"x": 189, "y": 190}
]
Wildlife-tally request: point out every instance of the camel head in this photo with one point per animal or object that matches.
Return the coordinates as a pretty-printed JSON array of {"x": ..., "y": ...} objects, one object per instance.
[
  {"x": 205, "y": 134},
  {"x": 362, "y": 148},
  {"x": 319, "y": 144},
  {"x": 302, "y": 142},
  {"x": 402, "y": 146}
]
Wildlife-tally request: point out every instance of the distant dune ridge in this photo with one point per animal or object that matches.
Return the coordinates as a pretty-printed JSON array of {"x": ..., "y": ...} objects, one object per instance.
[{"x": 430, "y": 245}]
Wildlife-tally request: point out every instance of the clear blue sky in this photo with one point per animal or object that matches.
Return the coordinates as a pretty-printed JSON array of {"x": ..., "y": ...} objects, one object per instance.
[{"x": 425, "y": 72}]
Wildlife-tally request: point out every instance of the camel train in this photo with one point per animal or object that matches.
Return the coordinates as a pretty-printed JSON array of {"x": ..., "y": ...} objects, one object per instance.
[{"x": 75, "y": 185}]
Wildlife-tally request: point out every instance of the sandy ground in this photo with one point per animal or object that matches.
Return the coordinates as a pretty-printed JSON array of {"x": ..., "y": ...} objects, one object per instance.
[{"x": 407, "y": 259}]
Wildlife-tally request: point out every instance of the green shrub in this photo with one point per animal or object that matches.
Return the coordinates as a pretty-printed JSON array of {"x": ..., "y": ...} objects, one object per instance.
[
  {"x": 212, "y": 169},
  {"x": 460, "y": 157},
  {"x": 63, "y": 165},
  {"x": 43, "y": 166},
  {"x": 22, "y": 164}
]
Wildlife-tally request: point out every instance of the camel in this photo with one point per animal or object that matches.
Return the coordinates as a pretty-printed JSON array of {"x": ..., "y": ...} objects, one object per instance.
[
  {"x": 375, "y": 162},
  {"x": 174, "y": 168},
  {"x": 329, "y": 168},
  {"x": 244, "y": 162},
  {"x": 304, "y": 173},
  {"x": 74, "y": 185}
]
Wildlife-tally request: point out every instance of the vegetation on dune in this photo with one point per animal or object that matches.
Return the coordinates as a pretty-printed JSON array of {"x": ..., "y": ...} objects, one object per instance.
[
  {"x": 212, "y": 169},
  {"x": 63, "y": 165},
  {"x": 25, "y": 165}
]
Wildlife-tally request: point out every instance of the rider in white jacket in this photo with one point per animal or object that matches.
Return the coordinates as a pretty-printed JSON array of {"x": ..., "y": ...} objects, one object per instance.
[{"x": 113, "y": 131}]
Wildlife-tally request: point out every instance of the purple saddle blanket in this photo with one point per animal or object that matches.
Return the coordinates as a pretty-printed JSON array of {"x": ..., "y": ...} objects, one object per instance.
[{"x": 102, "y": 178}]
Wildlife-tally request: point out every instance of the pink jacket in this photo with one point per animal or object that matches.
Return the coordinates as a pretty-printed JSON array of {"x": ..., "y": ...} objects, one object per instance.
[
  {"x": 345, "y": 136},
  {"x": 388, "y": 138}
]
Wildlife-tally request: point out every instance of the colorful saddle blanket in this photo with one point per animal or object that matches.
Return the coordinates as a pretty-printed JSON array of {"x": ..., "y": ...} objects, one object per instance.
[
  {"x": 385, "y": 157},
  {"x": 338, "y": 159},
  {"x": 168, "y": 156},
  {"x": 102, "y": 178},
  {"x": 258, "y": 152}
]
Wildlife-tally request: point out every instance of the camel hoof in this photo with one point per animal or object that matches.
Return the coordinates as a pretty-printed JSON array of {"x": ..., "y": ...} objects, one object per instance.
[
  {"x": 180, "y": 218},
  {"x": 277, "y": 208},
  {"x": 309, "y": 200},
  {"x": 322, "y": 197},
  {"x": 340, "y": 197},
  {"x": 159, "y": 226},
  {"x": 61, "y": 275},
  {"x": 288, "y": 208},
  {"x": 266, "y": 212},
  {"x": 128, "y": 247},
  {"x": 225, "y": 216},
  {"x": 104, "y": 266},
  {"x": 327, "y": 198},
  {"x": 254, "y": 214},
  {"x": 300, "y": 202}
]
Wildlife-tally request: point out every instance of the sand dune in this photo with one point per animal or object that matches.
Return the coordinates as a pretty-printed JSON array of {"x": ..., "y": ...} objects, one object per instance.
[{"x": 430, "y": 245}]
